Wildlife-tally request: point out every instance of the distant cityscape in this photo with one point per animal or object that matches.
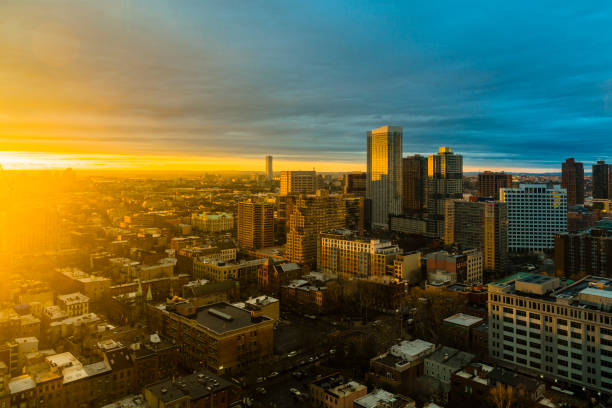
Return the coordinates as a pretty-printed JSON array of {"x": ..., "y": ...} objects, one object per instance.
[{"x": 412, "y": 284}]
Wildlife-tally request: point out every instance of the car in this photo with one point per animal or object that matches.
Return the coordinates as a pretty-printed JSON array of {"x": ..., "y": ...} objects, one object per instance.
[
  {"x": 311, "y": 359},
  {"x": 292, "y": 354},
  {"x": 297, "y": 374},
  {"x": 323, "y": 355},
  {"x": 261, "y": 390},
  {"x": 260, "y": 380},
  {"x": 273, "y": 374},
  {"x": 302, "y": 362},
  {"x": 294, "y": 391},
  {"x": 332, "y": 351}
]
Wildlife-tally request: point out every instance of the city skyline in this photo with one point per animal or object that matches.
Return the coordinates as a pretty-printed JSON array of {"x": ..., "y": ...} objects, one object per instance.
[{"x": 128, "y": 85}]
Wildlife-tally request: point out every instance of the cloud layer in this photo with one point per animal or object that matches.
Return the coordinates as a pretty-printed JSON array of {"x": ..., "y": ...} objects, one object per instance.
[{"x": 508, "y": 85}]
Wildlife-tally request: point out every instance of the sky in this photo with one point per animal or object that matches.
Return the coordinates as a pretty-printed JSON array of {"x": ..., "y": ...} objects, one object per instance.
[{"x": 200, "y": 85}]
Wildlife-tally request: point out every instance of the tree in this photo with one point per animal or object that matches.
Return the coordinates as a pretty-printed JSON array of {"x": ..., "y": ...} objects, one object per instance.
[{"x": 502, "y": 396}]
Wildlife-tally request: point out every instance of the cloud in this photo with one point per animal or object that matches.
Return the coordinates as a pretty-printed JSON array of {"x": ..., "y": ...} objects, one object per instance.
[{"x": 522, "y": 84}]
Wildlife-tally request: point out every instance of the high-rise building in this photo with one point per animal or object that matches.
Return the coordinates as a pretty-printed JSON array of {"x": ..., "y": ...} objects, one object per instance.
[
  {"x": 384, "y": 186},
  {"x": 481, "y": 225},
  {"x": 602, "y": 179},
  {"x": 255, "y": 225},
  {"x": 298, "y": 182},
  {"x": 269, "y": 171},
  {"x": 311, "y": 215},
  {"x": 355, "y": 183},
  {"x": 414, "y": 184},
  {"x": 535, "y": 214},
  {"x": 490, "y": 182},
  {"x": 560, "y": 332},
  {"x": 445, "y": 181},
  {"x": 349, "y": 256},
  {"x": 586, "y": 252},
  {"x": 572, "y": 179}
]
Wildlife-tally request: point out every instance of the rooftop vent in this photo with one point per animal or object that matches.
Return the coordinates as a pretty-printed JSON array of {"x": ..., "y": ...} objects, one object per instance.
[{"x": 220, "y": 315}]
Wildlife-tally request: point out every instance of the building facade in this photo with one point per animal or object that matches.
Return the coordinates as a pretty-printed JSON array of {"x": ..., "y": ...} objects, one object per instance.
[
  {"x": 255, "y": 225},
  {"x": 445, "y": 181},
  {"x": 572, "y": 179},
  {"x": 310, "y": 216},
  {"x": 269, "y": 169},
  {"x": 221, "y": 337},
  {"x": 490, "y": 182},
  {"x": 355, "y": 183},
  {"x": 384, "y": 185},
  {"x": 349, "y": 256},
  {"x": 298, "y": 182},
  {"x": 482, "y": 225},
  {"x": 585, "y": 253},
  {"x": 414, "y": 184},
  {"x": 561, "y": 332},
  {"x": 212, "y": 222},
  {"x": 602, "y": 180},
  {"x": 535, "y": 214}
]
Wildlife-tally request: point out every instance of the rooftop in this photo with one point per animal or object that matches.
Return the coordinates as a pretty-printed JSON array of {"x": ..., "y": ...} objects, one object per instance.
[
  {"x": 223, "y": 317},
  {"x": 195, "y": 386},
  {"x": 464, "y": 320},
  {"x": 379, "y": 399},
  {"x": 73, "y": 298},
  {"x": 21, "y": 384}
]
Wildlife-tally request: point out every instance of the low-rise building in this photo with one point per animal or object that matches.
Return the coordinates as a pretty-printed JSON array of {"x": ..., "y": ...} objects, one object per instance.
[
  {"x": 462, "y": 266},
  {"x": 309, "y": 294},
  {"x": 212, "y": 222},
  {"x": 74, "y": 303},
  {"x": 401, "y": 365},
  {"x": 335, "y": 391},
  {"x": 384, "y": 399},
  {"x": 216, "y": 270},
  {"x": 457, "y": 330},
  {"x": 442, "y": 363},
  {"x": 200, "y": 389}
]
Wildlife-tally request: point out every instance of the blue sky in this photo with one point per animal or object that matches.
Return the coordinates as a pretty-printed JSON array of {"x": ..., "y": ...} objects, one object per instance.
[{"x": 507, "y": 84}]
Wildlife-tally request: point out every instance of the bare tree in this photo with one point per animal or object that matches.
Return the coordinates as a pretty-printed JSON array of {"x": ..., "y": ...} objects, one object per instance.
[{"x": 502, "y": 396}]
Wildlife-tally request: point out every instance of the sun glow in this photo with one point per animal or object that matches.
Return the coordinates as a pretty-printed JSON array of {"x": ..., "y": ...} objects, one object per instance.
[{"x": 21, "y": 160}]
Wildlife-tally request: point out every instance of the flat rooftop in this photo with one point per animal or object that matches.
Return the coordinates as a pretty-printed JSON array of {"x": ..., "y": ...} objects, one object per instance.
[
  {"x": 223, "y": 317},
  {"x": 461, "y": 319},
  {"x": 378, "y": 398}
]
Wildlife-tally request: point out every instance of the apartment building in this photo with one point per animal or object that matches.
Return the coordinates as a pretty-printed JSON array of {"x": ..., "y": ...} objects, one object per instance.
[
  {"x": 461, "y": 266},
  {"x": 535, "y": 214},
  {"x": 298, "y": 182},
  {"x": 216, "y": 270},
  {"x": 335, "y": 391},
  {"x": 75, "y": 304},
  {"x": 561, "y": 332},
  {"x": 222, "y": 337},
  {"x": 347, "y": 255},
  {"x": 585, "y": 253},
  {"x": 212, "y": 222}
]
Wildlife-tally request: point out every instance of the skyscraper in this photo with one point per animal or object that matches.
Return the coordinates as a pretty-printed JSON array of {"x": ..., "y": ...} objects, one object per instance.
[
  {"x": 414, "y": 184},
  {"x": 298, "y": 182},
  {"x": 490, "y": 182},
  {"x": 481, "y": 224},
  {"x": 255, "y": 225},
  {"x": 535, "y": 214},
  {"x": 444, "y": 182},
  {"x": 269, "y": 172},
  {"x": 384, "y": 185},
  {"x": 572, "y": 179},
  {"x": 602, "y": 180}
]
